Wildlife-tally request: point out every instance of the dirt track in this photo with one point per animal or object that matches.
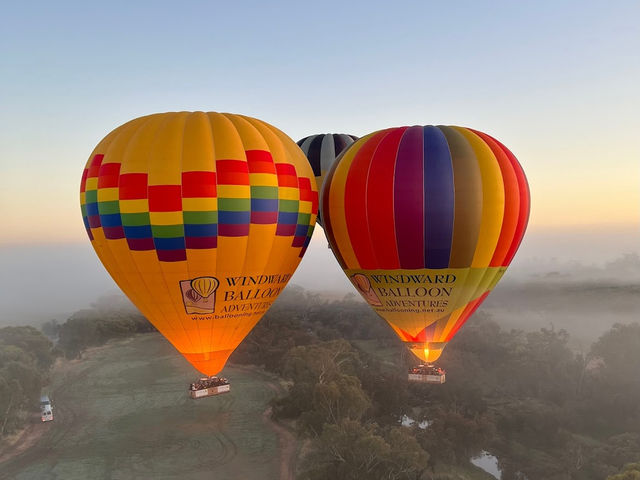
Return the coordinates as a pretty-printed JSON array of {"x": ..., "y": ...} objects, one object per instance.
[{"x": 122, "y": 412}]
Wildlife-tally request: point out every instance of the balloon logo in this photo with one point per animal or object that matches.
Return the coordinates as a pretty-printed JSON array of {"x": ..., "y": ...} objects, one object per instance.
[
  {"x": 425, "y": 221},
  {"x": 192, "y": 295},
  {"x": 201, "y": 219},
  {"x": 205, "y": 286},
  {"x": 363, "y": 285}
]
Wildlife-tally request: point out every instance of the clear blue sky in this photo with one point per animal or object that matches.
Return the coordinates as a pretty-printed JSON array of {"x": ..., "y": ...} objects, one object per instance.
[{"x": 555, "y": 81}]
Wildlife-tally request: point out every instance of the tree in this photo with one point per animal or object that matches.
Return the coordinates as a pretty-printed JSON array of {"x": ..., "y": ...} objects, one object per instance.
[
  {"x": 629, "y": 472},
  {"x": 351, "y": 451},
  {"x": 326, "y": 388}
]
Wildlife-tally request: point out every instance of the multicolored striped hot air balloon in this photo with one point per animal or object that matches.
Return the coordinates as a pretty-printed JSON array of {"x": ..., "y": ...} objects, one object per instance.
[
  {"x": 322, "y": 150},
  {"x": 201, "y": 219},
  {"x": 425, "y": 221}
]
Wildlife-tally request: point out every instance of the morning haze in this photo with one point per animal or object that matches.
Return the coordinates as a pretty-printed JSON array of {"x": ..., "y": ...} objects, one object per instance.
[
  {"x": 42, "y": 282},
  {"x": 540, "y": 384}
]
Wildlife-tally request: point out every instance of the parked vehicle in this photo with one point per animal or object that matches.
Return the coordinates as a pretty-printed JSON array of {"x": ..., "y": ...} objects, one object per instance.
[{"x": 46, "y": 410}]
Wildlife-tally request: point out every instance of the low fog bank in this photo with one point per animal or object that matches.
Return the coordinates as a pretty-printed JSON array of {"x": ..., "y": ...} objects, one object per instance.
[{"x": 580, "y": 280}]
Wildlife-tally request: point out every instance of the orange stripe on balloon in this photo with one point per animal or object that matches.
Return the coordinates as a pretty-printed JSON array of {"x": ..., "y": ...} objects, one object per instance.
[
  {"x": 468, "y": 311},
  {"x": 525, "y": 201}
]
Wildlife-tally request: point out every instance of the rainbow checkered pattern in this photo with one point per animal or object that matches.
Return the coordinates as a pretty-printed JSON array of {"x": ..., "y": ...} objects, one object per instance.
[{"x": 201, "y": 215}]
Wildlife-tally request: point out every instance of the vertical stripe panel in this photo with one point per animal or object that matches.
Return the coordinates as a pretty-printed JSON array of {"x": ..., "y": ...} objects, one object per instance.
[
  {"x": 408, "y": 201},
  {"x": 314, "y": 152},
  {"x": 525, "y": 201},
  {"x": 333, "y": 200},
  {"x": 380, "y": 215},
  {"x": 438, "y": 199},
  {"x": 511, "y": 201},
  {"x": 492, "y": 199},
  {"x": 467, "y": 184},
  {"x": 355, "y": 202}
]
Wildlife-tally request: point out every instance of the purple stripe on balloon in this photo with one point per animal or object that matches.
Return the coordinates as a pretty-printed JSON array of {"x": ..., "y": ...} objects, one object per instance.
[
  {"x": 231, "y": 230},
  {"x": 201, "y": 242},
  {"x": 264, "y": 218},
  {"x": 94, "y": 221},
  {"x": 284, "y": 230},
  {"x": 298, "y": 241},
  {"x": 438, "y": 199},
  {"x": 171, "y": 255},
  {"x": 408, "y": 199},
  {"x": 113, "y": 233},
  {"x": 141, "y": 243}
]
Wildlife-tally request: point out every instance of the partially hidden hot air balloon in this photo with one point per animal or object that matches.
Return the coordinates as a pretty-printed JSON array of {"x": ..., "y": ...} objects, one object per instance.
[
  {"x": 424, "y": 221},
  {"x": 322, "y": 150},
  {"x": 201, "y": 219}
]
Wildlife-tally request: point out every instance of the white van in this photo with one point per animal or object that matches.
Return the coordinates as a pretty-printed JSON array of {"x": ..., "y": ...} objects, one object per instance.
[{"x": 46, "y": 411}]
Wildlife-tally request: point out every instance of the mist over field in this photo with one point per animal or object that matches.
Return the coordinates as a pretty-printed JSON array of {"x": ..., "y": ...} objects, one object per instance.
[{"x": 582, "y": 280}]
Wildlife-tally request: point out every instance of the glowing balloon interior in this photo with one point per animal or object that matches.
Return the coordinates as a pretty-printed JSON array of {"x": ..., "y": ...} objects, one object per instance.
[
  {"x": 424, "y": 221},
  {"x": 201, "y": 219}
]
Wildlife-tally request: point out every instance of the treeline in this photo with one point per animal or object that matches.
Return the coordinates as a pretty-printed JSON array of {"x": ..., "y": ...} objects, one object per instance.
[
  {"x": 94, "y": 327},
  {"x": 544, "y": 411},
  {"x": 27, "y": 354}
]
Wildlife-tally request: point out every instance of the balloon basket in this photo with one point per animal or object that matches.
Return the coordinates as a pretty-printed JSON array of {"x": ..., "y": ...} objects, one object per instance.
[
  {"x": 208, "y": 387},
  {"x": 427, "y": 374}
]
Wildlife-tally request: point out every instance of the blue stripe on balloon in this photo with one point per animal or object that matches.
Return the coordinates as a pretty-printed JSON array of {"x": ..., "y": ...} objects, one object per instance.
[
  {"x": 438, "y": 198},
  {"x": 287, "y": 218},
  {"x": 264, "y": 204},
  {"x": 140, "y": 231},
  {"x": 233, "y": 218},
  {"x": 175, "y": 243},
  {"x": 111, "y": 220},
  {"x": 92, "y": 209},
  {"x": 200, "y": 230},
  {"x": 301, "y": 230}
]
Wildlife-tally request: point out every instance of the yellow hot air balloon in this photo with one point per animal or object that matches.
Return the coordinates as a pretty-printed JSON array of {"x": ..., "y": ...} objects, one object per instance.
[
  {"x": 201, "y": 219},
  {"x": 424, "y": 221}
]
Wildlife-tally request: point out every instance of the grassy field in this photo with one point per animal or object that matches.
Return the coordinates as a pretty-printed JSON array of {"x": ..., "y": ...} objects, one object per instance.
[{"x": 123, "y": 412}]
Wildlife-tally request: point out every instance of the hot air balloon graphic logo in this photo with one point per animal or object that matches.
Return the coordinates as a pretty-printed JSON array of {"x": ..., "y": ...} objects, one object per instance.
[
  {"x": 363, "y": 285},
  {"x": 199, "y": 295}
]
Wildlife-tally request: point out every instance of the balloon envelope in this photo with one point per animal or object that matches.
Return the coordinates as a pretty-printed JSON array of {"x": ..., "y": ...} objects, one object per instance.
[
  {"x": 201, "y": 219},
  {"x": 322, "y": 150},
  {"x": 424, "y": 221}
]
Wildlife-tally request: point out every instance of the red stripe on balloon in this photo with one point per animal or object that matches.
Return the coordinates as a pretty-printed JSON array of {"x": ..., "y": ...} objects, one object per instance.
[
  {"x": 108, "y": 175},
  {"x": 260, "y": 161},
  {"x": 380, "y": 214},
  {"x": 83, "y": 181},
  {"x": 406, "y": 337},
  {"x": 232, "y": 172},
  {"x": 132, "y": 186},
  {"x": 355, "y": 202},
  {"x": 94, "y": 168},
  {"x": 198, "y": 184},
  {"x": 165, "y": 198},
  {"x": 287, "y": 176}
]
